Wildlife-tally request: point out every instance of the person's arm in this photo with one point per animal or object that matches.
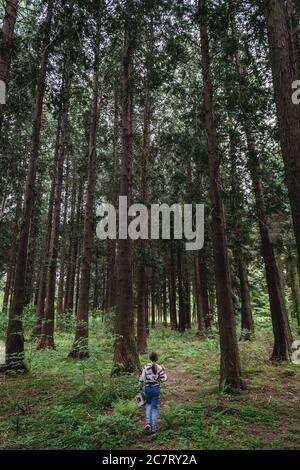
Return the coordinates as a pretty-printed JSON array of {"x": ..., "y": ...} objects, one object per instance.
[
  {"x": 162, "y": 374},
  {"x": 143, "y": 378}
]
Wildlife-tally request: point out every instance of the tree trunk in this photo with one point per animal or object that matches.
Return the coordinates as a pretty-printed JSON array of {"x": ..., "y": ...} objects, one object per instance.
[
  {"x": 173, "y": 309},
  {"x": 40, "y": 306},
  {"x": 80, "y": 346},
  {"x": 281, "y": 328},
  {"x": 230, "y": 370},
  {"x": 182, "y": 311},
  {"x": 247, "y": 325},
  {"x": 111, "y": 244},
  {"x": 164, "y": 301},
  {"x": 12, "y": 258},
  {"x": 204, "y": 288},
  {"x": 142, "y": 269},
  {"x": 199, "y": 298},
  {"x": 61, "y": 282},
  {"x": 295, "y": 284},
  {"x": 125, "y": 355},
  {"x": 47, "y": 337},
  {"x": 187, "y": 293},
  {"x": 74, "y": 249},
  {"x": 284, "y": 72},
  {"x": 15, "y": 339},
  {"x": 153, "y": 299},
  {"x": 6, "y": 39}
]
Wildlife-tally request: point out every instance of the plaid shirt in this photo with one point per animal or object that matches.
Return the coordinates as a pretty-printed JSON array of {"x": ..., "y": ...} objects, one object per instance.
[{"x": 147, "y": 377}]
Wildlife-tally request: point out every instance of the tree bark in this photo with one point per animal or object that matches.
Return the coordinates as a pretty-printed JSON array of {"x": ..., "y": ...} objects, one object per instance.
[
  {"x": 281, "y": 327},
  {"x": 61, "y": 282},
  {"x": 199, "y": 298},
  {"x": 173, "y": 309},
  {"x": 295, "y": 284},
  {"x": 40, "y": 306},
  {"x": 80, "y": 346},
  {"x": 144, "y": 191},
  {"x": 111, "y": 244},
  {"x": 125, "y": 355},
  {"x": 74, "y": 249},
  {"x": 6, "y": 39},
  {"x": 12, "y": 257},
  {"x": 47, "y": 337},
  {"x": 284, "y": 72},
  {"x": 230, "y": 370},
  {"x": 182, "y": 307},
  {"x": 247, "y": 324},
  {"x": 15, "y": 340}
]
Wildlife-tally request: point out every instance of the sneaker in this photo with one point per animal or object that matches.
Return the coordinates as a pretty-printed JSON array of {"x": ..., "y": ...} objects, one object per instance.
[
  {"x": 153, "y": 431},
  {"x": 147, "y": 427}
]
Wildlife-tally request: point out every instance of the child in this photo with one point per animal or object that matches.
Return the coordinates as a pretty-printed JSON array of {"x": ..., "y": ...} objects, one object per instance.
[{"x": 151, "y": 377}]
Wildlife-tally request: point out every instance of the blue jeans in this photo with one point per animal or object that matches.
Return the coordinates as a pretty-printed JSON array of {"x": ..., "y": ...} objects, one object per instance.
[{"x": 152, "y": 398}]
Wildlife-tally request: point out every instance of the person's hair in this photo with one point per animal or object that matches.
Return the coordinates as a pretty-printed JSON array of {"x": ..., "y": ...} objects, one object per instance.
[{"x": 153, "y": 358}]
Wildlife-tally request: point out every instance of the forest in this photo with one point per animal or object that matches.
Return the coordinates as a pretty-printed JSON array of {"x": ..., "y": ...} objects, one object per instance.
[{"x": 161, "y": 102}]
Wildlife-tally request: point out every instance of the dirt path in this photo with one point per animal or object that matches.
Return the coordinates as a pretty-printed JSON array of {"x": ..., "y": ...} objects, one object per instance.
[{"x": 178, "y": 390}]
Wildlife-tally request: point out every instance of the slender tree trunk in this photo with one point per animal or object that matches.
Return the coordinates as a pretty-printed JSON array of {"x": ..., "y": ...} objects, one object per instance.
[
  {"x": 142, "y": 268},
  {"x": 61, "y": 282},
  {"x": 111, "y": 244},
  {"x": 164, "y": 301},
  {"x": 80, "y": 346},
  {"x": 74, "y": 249},
  {"x": 295, "y": 284},
  {"x": 247, "y": 325},
  {"x": 173, "y": 309},
  {"x": 153, "y": 299},
  {"x": 284, "y": 74},
  {"x": 182, "y": 311},
  {"x": 40, "y": 306},
  {"x": 12, "y": 257},
  {"x": 6, "y": 38},
  {"x": 230, "y": 370},
  {"x": 199, "y": 298},
  {"x": 187, "y": 293},
  {"x": 47, "y": 337},
  {"x": 281, "y": 328},
  {"x": 125, "y": 356},
  {"x": 15, "y": 339},
  {"x": 30, "y": 264},
  {"x": 204, "y": 288}
]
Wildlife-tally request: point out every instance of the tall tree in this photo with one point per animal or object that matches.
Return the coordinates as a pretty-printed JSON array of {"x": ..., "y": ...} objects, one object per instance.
[
  {"x": 281, "y": 327},
  {"x": 284, "y": 72},
  {"x": 80, "y": 346},
  {"x": 144, "y": 192},
  {"x": 230, "y": 370},
  {"x": 6, "y": 39},
  {"x": 47, "y": 339},
  {"x": 15, "y": 340},
  {"x": 125, "y": 355}
]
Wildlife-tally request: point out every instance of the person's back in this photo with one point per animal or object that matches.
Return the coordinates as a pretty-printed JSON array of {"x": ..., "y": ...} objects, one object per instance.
[{"x": 152, "y": 375}]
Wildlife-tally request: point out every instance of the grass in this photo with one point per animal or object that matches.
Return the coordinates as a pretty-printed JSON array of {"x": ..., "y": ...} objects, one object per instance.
[{"x": 67, "y": 404}]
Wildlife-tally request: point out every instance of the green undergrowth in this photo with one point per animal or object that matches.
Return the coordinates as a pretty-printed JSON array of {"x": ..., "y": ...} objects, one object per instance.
[{"x": 65, "y": 404}]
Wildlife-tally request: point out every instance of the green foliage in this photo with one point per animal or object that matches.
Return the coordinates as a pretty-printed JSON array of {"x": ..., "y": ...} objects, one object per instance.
[
  {"x": 124, "y": 407},
  {"x": 66, "y": 404}
]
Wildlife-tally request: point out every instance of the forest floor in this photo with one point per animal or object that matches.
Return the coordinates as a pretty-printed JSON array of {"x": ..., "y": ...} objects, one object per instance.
[{"x": 65, "y": 404}]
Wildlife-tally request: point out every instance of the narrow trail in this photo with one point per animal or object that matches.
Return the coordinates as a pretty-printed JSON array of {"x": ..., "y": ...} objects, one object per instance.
[{"x": 178, "y": 390}]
